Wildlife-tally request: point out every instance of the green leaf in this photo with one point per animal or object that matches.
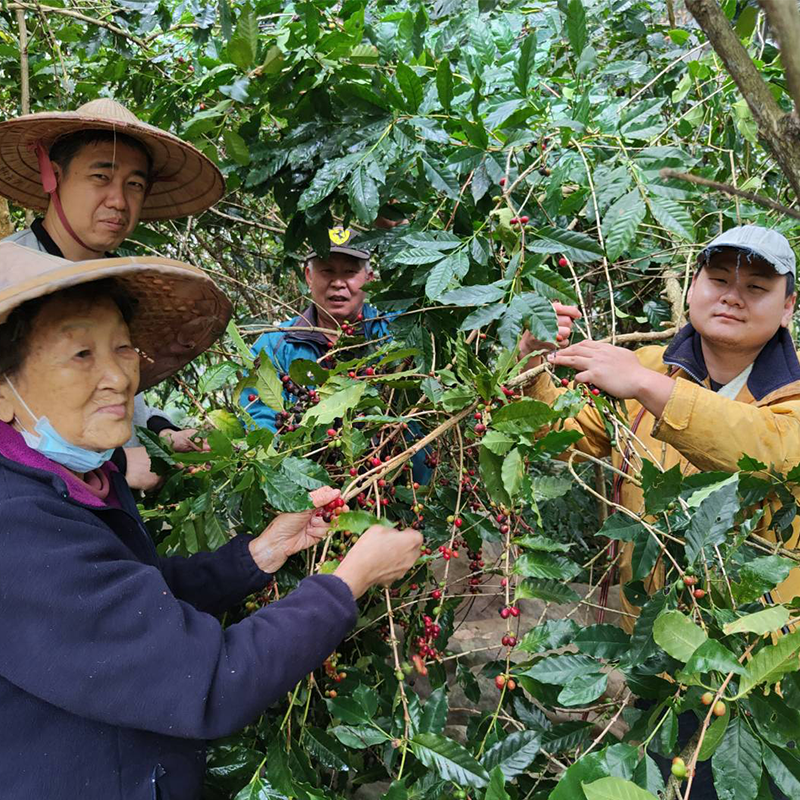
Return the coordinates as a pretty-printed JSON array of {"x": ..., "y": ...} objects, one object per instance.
[
  {"x": 355, "y": 521},
  {"x": 576, "y": 246},
  {"x": 540, "y": 318},
  {"x": 359, "y": 737},
  {"x": 362, "y": 190},
  {"x": 497, "y": 786},
  {"x": 305, "y": 472},
  {"x": 586, "y": 769},
  {"x": 335, "y": 406},
  {"x": 525, "y": 62},
  {"x": 660, "y": 488},
  {"x": 737, "y": 763},
  {"x": 241, "y": 348},
  {"x": 615, "y": 789},
  {"x": 759, "y": 576},
  {"x": 307, "y": 373},
  {"x": 325, "y": 749},
  {"x": 236, "y": 147},
  {"x": 269, "y": 386},
  {"x": 642, "y": 643},
  {"x": 549, "y": 635},
  {"x": 491, "y": 471},
  {"x": 450, "y": 760},
  {"x": 282, "y": 493},
  {"x": 434, "y": 714},
  {"x": 576, "y": 26},
  {"x": 444, "y": 84},
  {"x": 243, "y": 46},
  {"x": 621, "y": 222},
  {"x": 217, "y": 376},
  {"x": 716, "y": 730},
  {"x": 512, "y": 472},
  {"x": 622, "y": 528},
  {"x": 523, "y": 416},
  {"x": 546, "y": 565},
  {"x": 348, "y": 710},
  {"x": 457, "y": 398},
  {"x": 712, "y": 656},
  {"x": 761, "y": 622},
  {"x": 226, "y": 422},
  {"x": 456, "y": 265},
  {"x": 603, "y": 641},
  {"x": 476, "y": 295},
  {"x": 678, "y": 635},
  {"x": 784, "y": 767},
  {"x": 583, "y": 689},
  {"x": 560, "y": 670},
  {"x": 673, "y": 216},
  {"x": 771, "y": 663},
  {"x": 483, "y": 316},
  {"x": 514, "y": 754},
  {"x": 551, "y": 591},
  {"x": 411, "y": 85},
  {"x": 441, "y": 179}
]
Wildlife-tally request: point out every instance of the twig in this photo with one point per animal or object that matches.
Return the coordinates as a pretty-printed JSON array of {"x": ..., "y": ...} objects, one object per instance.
[{"x": 732, "y": 190}]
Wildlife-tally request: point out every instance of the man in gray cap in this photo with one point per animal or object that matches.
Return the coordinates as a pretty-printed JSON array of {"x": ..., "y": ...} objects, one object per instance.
[{"x": 728, "y": 385}]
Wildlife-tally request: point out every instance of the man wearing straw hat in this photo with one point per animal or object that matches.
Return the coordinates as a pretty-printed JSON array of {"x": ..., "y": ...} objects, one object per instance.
[{"x": 96, "y": 172}]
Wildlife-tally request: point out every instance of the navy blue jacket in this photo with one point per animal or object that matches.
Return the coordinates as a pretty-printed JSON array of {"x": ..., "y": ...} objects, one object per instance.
[{"x": 113, "y": 670}]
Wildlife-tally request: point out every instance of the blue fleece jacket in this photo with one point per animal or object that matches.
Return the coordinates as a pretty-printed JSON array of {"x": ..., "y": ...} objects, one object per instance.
[{"x": 113, "y": 670}]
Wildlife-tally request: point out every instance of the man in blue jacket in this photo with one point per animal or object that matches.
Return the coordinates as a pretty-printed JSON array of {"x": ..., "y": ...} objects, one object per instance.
[{"x": 337, "y": 305}]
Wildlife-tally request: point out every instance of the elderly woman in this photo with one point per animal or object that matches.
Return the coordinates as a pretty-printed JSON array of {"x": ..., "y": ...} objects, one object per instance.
[{"x": 112, "y": 668}]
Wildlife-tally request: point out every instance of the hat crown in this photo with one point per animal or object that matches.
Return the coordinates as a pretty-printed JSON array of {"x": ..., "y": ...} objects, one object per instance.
[
  {"x": 108, "y": 110},
  {"x": 765, "y": 243}
]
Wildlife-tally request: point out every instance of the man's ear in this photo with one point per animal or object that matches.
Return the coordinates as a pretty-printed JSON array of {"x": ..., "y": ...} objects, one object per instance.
[
  {"x": 307, "y": 272},
  {"x": 370, "y": 274},
  {"x": 6, "y": 403},
  {"x": 788, "y": 310}
]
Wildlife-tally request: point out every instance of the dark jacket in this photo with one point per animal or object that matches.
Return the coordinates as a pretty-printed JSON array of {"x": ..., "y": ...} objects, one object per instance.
[{"x": 113, "y": 670}]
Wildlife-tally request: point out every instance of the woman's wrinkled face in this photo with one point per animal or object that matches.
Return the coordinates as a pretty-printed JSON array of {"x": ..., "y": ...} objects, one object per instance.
[{"x": 81, "y": 372}]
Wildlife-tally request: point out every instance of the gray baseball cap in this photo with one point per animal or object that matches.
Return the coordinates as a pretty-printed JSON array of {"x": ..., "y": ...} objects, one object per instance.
[
  {"x": 754, "y": 240},
  {"x": 342, "y": 242}
]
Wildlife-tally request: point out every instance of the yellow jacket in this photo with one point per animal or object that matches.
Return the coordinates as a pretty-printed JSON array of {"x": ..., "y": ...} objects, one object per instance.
[{"x": 701, "y": 431}]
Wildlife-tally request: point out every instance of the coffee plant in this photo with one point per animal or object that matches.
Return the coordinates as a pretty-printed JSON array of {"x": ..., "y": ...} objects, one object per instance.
[{"x": 519, "y": 146}]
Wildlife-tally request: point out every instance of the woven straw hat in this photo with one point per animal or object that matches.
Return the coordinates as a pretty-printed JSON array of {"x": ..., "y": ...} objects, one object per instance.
[
  {"x": 186, "y": 182},
  {"x": 180, "y": 312}
]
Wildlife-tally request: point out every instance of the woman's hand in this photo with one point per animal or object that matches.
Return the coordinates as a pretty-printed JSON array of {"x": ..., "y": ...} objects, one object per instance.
[
  {"x": 565, "y": 316},
  {"x": 380, "y": 556},
  {"x": 289, "y": 533},
  {"x": 184, "y": 441}
]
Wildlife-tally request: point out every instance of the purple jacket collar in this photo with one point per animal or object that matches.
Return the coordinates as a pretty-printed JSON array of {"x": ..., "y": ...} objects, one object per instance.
[
  {"x": 13, "y": 447},
  {"x": 775, "y": 366}
]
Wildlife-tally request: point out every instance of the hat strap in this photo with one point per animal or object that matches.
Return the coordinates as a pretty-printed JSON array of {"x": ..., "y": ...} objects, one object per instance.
[{"x": 50, "y": 185}]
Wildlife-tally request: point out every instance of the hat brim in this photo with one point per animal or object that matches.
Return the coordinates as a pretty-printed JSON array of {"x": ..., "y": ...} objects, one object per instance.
[
  {"x": 186, "y": 181},
  {"x": 347, "y": 251},
  {"x": 781, "y": 269},
  {"x": 180, "y": 311}
]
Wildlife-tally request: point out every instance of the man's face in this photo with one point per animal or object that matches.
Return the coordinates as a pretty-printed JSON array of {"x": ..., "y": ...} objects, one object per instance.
[
  {"x": 102, "y": 192},
  {"x": 739, "y": 308},
  {"x": 337, "y": 285}
]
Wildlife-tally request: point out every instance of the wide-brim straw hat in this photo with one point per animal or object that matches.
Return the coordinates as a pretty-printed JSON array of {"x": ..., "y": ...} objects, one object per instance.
[
  {"x": 180, "y": 311},
  {"x": 186, "y": 181}
]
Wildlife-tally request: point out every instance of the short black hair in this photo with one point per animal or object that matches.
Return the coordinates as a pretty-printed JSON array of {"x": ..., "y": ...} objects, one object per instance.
[
  {"x": 790, "y": 280},
  {"x": 15, "y": 332},
  {"x": 67, "y": 147}
]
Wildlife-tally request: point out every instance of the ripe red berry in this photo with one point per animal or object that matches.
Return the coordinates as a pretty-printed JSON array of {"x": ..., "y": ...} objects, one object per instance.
[
  {"x": 353, "y": 471},
  {"x": 505, "y": 613},
  {"x": 514, "y": 611},
  {"x": 480, "y": 428},
  {"x": 458, "y": 522},
  {"x": 376, "y": 462},
  {"x": 436, "y": 594},
  {"x": 513, "y": 221},
  {"x": 369, "y": 371},
  {"x": 595, "y": 391},
  {"x": 252, "y": 397},
  {"x": 360, "y": 317},
  {"x": 524, "y": 219},
  {"x": 562, "y": 262},
  {"x": 699, "y": 593},
  {"x": 351, "y": 374},
  {"x": 689, "y": 580},
  {"x": 502, "y": 181},
  {"x": 500, "y": 681},
  {"x": 331, "y": 432},
  {"x": 565, "y": 382}
]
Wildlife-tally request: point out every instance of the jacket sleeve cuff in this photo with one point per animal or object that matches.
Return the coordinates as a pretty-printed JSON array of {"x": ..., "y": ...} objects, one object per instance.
[
  {"x": 157, "y": 423},
  {"x": 251, "y": 574},
  {"x": 678, "y": 411}
]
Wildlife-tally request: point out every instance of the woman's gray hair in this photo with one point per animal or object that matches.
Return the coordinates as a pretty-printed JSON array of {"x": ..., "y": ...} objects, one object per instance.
[{"x": 16, "y": 331}]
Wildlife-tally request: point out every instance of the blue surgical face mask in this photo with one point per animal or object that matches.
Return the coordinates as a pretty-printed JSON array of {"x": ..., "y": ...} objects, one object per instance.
[{"x": 51, "y": 444}]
